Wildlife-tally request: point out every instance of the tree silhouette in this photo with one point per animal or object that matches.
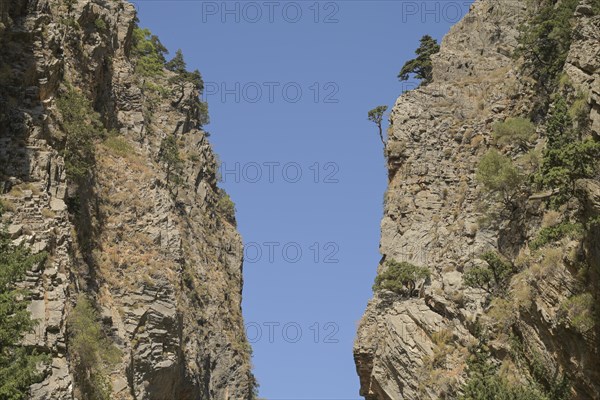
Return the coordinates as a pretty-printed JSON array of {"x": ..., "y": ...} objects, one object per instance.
[
  {"x": 376, "y": 116},
  {"x": 421, "y": 66}
]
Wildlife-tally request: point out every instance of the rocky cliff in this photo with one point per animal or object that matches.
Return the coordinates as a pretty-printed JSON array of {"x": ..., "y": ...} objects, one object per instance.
[
  {"x": 159, "y": 258},
  {"x": 436, "y": 215}
]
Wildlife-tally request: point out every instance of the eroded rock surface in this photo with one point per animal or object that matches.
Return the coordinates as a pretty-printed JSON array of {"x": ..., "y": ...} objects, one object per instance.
[
  {"x": 163, "y": 264},
  {"x": 417, "y": 348}
]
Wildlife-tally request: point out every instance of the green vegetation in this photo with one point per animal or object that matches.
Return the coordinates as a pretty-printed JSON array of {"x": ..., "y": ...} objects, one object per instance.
[
  {"x": 179, "y": 66},
  {"x": 544, "y": 44},
  {"x": 421, "y": 66},
  {"x": 567, "y": 157},
  {"x": 184, "y": 77},
  {"x": 579, "y": 112},
  {"x": 486, "y": 383},
  {"x": 519, "y": 131},
  {"x": 400, "y": 277},
  {"x": 555, "y": 233},
  {"x": 100, "y": 24},
  {"x": 82, "y": 126},
  {"x": 119, "y": 146},
  {"x": 226, "y": 206},
  {"x": 499, "y": 176},
  {"x": 169, "y": 154},
  {"x": 91, "y": 350},
  {"x": 149, "y": 53},
  {"x": 376, "y": 116},
  {"x": 18, "y": 364},
  {"x": 493, "y": 278},
  {"x": 580, "y": 312}
]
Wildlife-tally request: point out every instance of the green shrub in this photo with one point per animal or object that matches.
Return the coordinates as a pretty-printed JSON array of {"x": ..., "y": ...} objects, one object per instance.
[
  {"x": 555, "y": 233},
  {"x": 226, "y": 206},
  {"x": 100, "y": 24},
  {"x": 18, "y": 364},
  {"x": 579, "y": 111},
  {"x": 169, "y": 154},
  {"x": 579, "y": 310},
  {"x": 400, "y": 278},
  {"x": 148, "y": 52},
  {"x": 119, "y": 146},
  {"x": 499, "y": 176},
  {"x": 203, "y": 115},
  {"x": 485, "y": 383},
  {"x": 91, "y": 350},
  {"x": 81, "y": 125},
  {"x": 519, "y": 131},
  {"x": 492, "y": 278}
]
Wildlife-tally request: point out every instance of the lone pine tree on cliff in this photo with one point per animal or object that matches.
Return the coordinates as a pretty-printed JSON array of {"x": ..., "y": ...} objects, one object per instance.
[
  {"x": 421, "y": 66},
  {"x": 376, "y": 116}
]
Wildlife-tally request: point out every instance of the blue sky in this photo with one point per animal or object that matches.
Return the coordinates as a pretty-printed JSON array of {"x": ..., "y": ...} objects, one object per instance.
[{"x": 289, "y": 85}]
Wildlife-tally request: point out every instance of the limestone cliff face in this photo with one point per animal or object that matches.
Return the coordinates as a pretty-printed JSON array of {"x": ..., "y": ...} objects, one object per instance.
[
  {"x": 417, "y": 348},
  {"x": 161, "y": 263}
]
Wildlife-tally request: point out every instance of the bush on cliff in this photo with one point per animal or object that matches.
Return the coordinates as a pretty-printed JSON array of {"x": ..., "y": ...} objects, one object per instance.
[
  {"x": 401, "y": 278},
  {"x": 499, "y": 176},
  {"x": 91, "y": 351},
  {"x": 519, "y": 131},
  {"x": 493, "y": 277}
]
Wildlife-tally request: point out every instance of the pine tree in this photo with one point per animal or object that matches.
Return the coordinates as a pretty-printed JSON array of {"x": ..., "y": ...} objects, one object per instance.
[
  {"x": 421, "y": 66},
  {"x": 18, "y": 364},
  {"x": 169, "y": 154},
  {"x": 376, "y": 116},
  {"x": 177, "y": 64}
]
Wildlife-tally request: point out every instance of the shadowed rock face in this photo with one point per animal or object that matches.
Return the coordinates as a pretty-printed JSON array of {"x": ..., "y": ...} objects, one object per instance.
[
  {"x": 417, "y": 348},
  {"x": 162, "y": 263}
]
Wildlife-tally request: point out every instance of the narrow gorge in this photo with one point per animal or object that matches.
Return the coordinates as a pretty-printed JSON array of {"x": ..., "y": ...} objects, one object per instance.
[{"x": 120, "y": 257}]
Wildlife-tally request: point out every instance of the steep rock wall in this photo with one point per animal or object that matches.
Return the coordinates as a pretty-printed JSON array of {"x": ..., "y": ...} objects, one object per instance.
[
  {"x": 162, "y": 264},
  {"x": 418, "y": 348}
]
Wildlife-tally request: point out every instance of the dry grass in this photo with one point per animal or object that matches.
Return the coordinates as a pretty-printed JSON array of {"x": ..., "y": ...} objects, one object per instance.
[
  {"x": 501, "y": 314},
  {"x": 8, "y": 205},
  {"x": 119, "y": 146},
  {"x": 476, "y": 141},
  {"x": 551, "y": 218},
  {"x": 550, "y": 262},
  {"x": 47, "y": 213}
]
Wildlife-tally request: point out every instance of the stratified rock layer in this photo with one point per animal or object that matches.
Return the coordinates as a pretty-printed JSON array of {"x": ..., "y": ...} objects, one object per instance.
[
  {"x": 163, "y": 264},
  {"x": 417, "y": 348}
]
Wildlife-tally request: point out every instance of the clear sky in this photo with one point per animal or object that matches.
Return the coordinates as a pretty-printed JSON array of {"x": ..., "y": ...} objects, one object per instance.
[{"x": 289, "y": 85}]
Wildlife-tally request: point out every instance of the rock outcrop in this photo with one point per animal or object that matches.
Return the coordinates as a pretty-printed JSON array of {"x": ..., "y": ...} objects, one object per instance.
[
  {"x": 434, "y": 216},
  {"x": 162, "y": 263}
]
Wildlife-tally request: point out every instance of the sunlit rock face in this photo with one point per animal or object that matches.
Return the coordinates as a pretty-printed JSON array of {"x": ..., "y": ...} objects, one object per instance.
[
  {"x": 162, "y": 264},
  {"x": 417, "y": 348}
]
